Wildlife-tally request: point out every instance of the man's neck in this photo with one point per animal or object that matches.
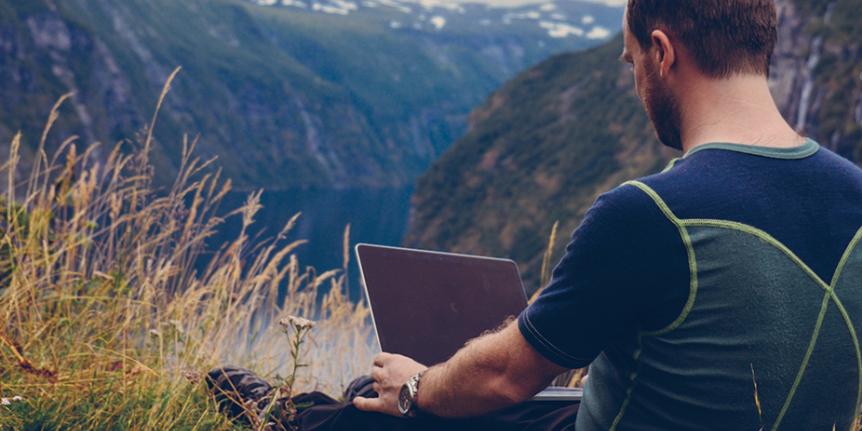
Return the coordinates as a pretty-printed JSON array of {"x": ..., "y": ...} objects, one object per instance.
[{"x": 735, "y": 110}]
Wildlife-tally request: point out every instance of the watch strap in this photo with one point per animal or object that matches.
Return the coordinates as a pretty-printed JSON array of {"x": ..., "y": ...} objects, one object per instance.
[{"x": 413, "y": 383}]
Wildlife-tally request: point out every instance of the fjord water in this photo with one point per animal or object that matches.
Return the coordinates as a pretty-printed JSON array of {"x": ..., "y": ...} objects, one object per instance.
[{"x": 375, "y": 216}]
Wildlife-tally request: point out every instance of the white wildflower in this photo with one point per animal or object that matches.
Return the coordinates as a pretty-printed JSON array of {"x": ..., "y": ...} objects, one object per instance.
[
  {"x": 8, "y": 401},
  {"x": 296, "y": 322}
]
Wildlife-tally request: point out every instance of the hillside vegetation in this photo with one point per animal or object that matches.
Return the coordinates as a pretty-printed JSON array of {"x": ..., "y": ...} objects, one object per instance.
[
  {"x": 286, "y": 99},
  {"x": 543, "y": 147},
  {"x": 539, "y": 151}
]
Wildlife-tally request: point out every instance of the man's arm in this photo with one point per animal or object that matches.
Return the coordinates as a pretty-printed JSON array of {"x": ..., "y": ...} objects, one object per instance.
[
  {"x": 625, "y": 269},
  {"x": 492, "y": 372}
]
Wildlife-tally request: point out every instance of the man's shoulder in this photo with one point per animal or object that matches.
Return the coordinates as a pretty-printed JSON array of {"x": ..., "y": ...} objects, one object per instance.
[
  {"x": 629, "y": 204},
  {"x": 841, "y": 166},
  {"x": 683, "y": 183},
  {"x": 640, "y": 195},
  {"x": 714, "y": 178}
]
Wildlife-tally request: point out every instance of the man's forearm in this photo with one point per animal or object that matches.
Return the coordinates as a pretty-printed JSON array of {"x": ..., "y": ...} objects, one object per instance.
[
  {"x": 464, "y": 386},
  {"x": 481, "y": 378}
]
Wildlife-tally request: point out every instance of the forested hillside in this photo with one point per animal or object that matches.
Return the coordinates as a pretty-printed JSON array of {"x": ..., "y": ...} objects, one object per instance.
[
  {"x": 544, "y": 146},
  {"x": 285, "y": 98}
]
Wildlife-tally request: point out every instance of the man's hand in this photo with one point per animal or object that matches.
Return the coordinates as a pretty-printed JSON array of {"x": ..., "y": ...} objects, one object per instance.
[
  {"x": 490, "y": 373},
  {"x": 390, "y": 372}
]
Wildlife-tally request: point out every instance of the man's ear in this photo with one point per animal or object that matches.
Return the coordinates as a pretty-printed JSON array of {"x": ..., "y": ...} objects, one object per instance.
[{"x": 664, "y": 51}]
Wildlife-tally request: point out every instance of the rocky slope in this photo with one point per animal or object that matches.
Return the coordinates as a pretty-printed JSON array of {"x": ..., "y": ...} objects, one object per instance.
[
  {"x": 285, "y": 98},
  {"x": 545, "y": 145}
]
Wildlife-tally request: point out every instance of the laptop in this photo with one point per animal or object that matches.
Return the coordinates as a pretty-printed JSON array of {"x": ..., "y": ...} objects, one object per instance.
[{"x": 426, "y": 304}]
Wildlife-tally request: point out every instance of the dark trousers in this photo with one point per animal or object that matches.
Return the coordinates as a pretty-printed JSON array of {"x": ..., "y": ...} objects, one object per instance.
[{"x": 327, "y": 414}]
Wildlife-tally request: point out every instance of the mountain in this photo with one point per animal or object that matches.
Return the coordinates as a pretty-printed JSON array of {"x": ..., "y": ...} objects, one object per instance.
[
  {"x": 558, "y": 19},
  {"x": 544, "y": 146},
  {"x": 287, "y": 97}
]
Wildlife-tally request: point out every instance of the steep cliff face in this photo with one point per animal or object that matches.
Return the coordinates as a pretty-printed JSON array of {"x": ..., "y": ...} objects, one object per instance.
[
  {"x": 285, "y": 99},
  {"x": 545, "y": 145},
  {"x": 817, "y": 73}
]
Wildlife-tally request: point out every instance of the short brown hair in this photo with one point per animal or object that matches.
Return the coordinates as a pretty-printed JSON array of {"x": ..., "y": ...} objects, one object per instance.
[{"x": 726, "y": 37}]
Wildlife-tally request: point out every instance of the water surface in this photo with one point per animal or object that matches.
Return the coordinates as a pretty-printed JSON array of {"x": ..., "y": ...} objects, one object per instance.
[{"x": 375, "y": 216}]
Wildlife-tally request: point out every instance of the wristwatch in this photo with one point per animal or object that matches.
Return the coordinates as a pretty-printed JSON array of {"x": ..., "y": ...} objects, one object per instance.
[{"x": 409, "y": 396}]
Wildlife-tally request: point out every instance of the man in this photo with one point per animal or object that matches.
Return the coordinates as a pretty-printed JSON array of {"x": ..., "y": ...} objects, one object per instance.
[{"x": 724, "y": 293}]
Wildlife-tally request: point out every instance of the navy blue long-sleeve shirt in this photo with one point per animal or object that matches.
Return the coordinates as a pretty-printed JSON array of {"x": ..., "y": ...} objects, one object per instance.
[{"x": 736, "y": 265}]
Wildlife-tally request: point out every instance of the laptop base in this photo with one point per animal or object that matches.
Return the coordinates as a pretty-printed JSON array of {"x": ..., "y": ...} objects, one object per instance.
[{"x": 559, "y": 393}]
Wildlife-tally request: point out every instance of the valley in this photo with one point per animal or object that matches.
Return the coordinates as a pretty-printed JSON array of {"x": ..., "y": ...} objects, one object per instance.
[{"x": 285, "y": 97}]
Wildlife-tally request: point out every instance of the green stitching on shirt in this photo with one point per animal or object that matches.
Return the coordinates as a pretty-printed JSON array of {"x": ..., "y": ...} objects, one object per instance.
[
  {"x": 632, "y": 379},
  {"x": 692, "y": 261},
  {"x": 813, "y": 343},
  {"x": 824, "y": 307},
  {"x": 670, "y": 165},
  {"x": 843, "y": 262},
  {"x": 835, "y": 279},
  {"x": 765, "y": 237},
  {"x": 692, "y": 293},
  {"x": 828, "y": 288},
  {"x": 807, "y": 149}
]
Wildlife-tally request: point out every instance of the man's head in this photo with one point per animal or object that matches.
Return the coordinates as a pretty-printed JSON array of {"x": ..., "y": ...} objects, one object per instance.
[{"x": 671, "y": 41}]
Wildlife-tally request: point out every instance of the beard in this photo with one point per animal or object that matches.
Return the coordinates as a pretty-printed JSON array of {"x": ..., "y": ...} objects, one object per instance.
[{"x": 662, "y": 109}]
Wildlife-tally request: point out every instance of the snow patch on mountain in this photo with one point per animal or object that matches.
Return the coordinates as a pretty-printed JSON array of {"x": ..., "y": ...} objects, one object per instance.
[
  {"x": 438, "y": 22},
  {"x": 599, "y": 32},
  {"x": 559, "y": 18},
  {"x": 556, "y": 29},
  {"x": 339, "y": 7}
]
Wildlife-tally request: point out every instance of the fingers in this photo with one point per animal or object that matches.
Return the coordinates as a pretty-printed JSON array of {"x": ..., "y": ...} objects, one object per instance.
[
  {"x": 377, "y": 373},
  {"x": 368, "y": 404},
  {"x": 382, "y": 358}
]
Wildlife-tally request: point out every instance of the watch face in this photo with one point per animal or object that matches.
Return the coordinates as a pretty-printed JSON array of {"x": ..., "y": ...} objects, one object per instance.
[{"x": 404, "y": 402}]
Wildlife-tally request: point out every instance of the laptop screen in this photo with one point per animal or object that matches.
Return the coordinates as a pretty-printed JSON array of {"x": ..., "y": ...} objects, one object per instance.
[{"x": 426, "y": 305}]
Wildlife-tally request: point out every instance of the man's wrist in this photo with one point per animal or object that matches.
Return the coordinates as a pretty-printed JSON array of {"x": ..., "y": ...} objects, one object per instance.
[
  {"x": 416, "y": 406},
  {"x": 427, "y": 402},
  {"x": 408, "y": 398}
]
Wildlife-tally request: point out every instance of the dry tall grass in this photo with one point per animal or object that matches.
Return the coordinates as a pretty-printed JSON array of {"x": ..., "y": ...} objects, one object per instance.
[{"x": 106, "y": 322}]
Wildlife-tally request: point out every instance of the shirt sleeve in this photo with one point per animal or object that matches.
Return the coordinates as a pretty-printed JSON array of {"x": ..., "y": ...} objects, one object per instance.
[{"x": 625, "y": 269}]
